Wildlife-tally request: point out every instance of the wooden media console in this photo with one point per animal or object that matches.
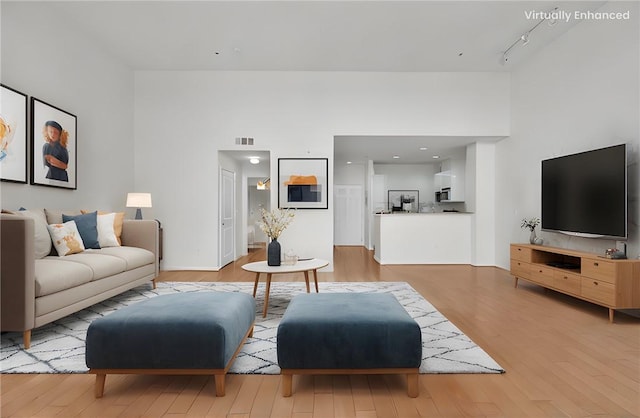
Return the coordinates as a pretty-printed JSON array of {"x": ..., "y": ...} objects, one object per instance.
[{"x": 614, "y": 284}]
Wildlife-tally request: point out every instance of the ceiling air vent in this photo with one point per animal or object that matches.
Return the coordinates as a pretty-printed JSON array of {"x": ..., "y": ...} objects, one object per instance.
[{"x": 244, "y": 141}]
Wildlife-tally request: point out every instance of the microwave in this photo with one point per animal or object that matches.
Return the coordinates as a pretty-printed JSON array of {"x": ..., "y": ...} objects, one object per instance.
[{"x": 443, "y": 195}]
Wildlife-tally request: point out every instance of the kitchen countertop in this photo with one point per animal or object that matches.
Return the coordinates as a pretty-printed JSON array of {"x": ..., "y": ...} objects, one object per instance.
[{"x": 425, "y": 213}]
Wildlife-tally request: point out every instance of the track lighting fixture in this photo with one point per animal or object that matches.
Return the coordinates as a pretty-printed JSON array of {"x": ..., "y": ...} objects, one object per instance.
[{"x": 526, "y": 37}]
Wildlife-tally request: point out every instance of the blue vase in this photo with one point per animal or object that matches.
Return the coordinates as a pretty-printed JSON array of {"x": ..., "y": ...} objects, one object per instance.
[{"x": 273, "y": 253}]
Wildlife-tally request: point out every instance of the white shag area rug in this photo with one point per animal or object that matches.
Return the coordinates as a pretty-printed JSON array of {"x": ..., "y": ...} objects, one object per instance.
[{"x": 59, "y": 347}]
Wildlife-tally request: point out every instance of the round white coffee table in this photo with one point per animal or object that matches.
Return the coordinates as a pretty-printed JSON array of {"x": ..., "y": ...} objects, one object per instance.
[{"x": 302, "y": 266}]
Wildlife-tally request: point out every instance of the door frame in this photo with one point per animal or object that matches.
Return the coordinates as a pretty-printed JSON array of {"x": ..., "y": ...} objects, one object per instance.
[{"x": 220, "y": 215}]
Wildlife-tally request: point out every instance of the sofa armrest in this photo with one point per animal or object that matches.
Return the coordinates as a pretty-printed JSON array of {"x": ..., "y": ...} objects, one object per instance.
[
  {"x": 142, "y": 234},
  {"x": 17, "y": 273}
]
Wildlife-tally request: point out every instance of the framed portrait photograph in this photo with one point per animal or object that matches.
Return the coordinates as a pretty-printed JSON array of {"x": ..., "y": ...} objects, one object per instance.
[
  {"x": 303, "y": 183},
  {"x": 54, "y": 144},
  {"x": 13, "y": 135},
  {"x": 403, "y": 200}
]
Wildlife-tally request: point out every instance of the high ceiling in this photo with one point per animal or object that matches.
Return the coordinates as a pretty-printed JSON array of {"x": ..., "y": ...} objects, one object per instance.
[
  {"x": 390, "y": 36},
  {"x": 314, "y": 35}
]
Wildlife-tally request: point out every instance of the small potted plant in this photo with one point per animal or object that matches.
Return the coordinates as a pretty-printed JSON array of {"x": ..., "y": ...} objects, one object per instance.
[
  {"x": 273, "y": 223},
  {"x": 531, "y": 224}
]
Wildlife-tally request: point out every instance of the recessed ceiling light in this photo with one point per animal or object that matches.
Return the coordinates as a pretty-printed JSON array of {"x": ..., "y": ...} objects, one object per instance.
[
  {"x": 423, "y": 148},
  {"x": 396, "y": 157},
  {"x": 254, "y": 160},
  {"x": 436, "y": 157},
  {"x": 348, "y": 162}
]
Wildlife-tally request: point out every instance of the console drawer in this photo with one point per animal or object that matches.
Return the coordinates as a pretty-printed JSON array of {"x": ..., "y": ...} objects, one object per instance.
[
  {"x": 567, "y": 282},
  {"x": 542, "y": 275},
  {"x": 599, "y": 269},
  {"x": 599, "y": 291},
  {"x": 520, "y": 269},
  {"x": 520, "y": 253}
]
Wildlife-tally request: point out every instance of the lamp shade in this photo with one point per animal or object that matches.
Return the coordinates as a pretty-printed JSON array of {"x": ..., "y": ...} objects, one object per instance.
[{"x": 139, "y": 200}]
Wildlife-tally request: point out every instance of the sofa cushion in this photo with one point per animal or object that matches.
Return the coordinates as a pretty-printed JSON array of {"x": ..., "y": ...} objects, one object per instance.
[
  {"x": 87, "y": 227},
  {"x": 54, "y": 216},
  {"x": 133, "y": 256},
  {"x": 102, "y": 265},
  {"x": 54, "y": 274},
  {"x": 66, "y": 238},
  {"x": 42, "y": 243}
]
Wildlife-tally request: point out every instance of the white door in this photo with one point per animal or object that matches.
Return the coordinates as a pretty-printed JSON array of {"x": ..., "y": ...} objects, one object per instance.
[
  {"x": 348, "y": 212},
  {"x": 227, "y": 217}
]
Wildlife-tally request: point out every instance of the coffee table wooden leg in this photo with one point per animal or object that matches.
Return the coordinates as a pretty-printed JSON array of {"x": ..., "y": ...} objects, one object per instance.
[
  {"x": 266, "y": 296},
  {"x": 315, "y": 279},
  {"x": 306, "y": 279},
  {"x": 255, "y": 285}
]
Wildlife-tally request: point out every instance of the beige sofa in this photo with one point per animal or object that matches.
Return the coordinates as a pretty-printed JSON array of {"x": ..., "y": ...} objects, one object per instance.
[{"x": 37, "y": 289}]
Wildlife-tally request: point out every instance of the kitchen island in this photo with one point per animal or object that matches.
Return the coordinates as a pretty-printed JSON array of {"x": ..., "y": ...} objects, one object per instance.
[{"x": 423, "y": 238}]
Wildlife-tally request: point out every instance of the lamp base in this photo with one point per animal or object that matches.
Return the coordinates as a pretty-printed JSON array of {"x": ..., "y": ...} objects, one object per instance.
[{"x": 138, "y": 213}]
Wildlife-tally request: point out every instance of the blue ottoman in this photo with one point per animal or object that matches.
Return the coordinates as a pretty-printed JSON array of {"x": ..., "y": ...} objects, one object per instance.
[
  {"x": 348, "y": 333},
  {"x": 183, "y": 333}
]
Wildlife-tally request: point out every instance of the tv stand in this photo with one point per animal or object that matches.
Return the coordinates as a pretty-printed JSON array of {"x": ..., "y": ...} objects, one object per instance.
[{"x": 614, "y": 284}]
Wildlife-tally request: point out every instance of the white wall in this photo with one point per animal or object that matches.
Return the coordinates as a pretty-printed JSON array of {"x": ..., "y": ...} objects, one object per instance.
[
  {"x": 482, "y": 194},
  {"x": 579, "y": 93},
  {"x": 409, "y": 177},
  {"x": 183, "y": 118},
  {"x": 45, "y": 58},
  {"x": 349, "y": 174}
]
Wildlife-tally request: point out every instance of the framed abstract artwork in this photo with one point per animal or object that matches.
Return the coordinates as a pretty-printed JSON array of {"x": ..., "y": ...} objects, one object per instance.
[
  {"x": 303, "y": 183},
  {"x": 403, "y": 200},
  {"x": 13, "y": 135},
  {"x": 54, "y": 144}
]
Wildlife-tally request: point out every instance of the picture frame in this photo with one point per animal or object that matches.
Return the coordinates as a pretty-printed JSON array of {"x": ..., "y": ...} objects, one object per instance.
[
  {"x": 403, "y": 200},
  {"x": 54, "y": 161},
  {"x": 13, "y": 135},
  {"x": 303, "y": 183}
]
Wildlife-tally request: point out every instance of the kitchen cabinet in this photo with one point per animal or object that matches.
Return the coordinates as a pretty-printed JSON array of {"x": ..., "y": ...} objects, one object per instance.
[{"x": 450, "y": 179}]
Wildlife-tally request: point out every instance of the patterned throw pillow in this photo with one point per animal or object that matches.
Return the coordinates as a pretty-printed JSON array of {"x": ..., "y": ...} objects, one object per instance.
[{"x": 66, "y": 238}]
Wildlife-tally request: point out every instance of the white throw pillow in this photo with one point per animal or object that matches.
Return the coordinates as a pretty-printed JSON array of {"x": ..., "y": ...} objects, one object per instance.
[
  {"x": 42, "y": 243},
  {"x": 106, "y": 232},
  {"x": 66, "y": 238}
]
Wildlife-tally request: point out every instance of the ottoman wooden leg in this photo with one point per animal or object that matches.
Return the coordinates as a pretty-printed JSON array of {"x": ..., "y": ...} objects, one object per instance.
[
  {"x": 412, "y": 385},
  {"x": 287, "y": 382},
  {"x": 219, "y": 385},
  {"x": 99, "y": 389}
]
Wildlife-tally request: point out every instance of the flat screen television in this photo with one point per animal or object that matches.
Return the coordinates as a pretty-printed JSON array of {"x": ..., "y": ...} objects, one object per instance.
[{"x": 585, "y": 194}]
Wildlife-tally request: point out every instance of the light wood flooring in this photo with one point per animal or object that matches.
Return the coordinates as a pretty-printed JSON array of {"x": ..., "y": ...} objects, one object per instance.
[{"x": 562, "y": 359}]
